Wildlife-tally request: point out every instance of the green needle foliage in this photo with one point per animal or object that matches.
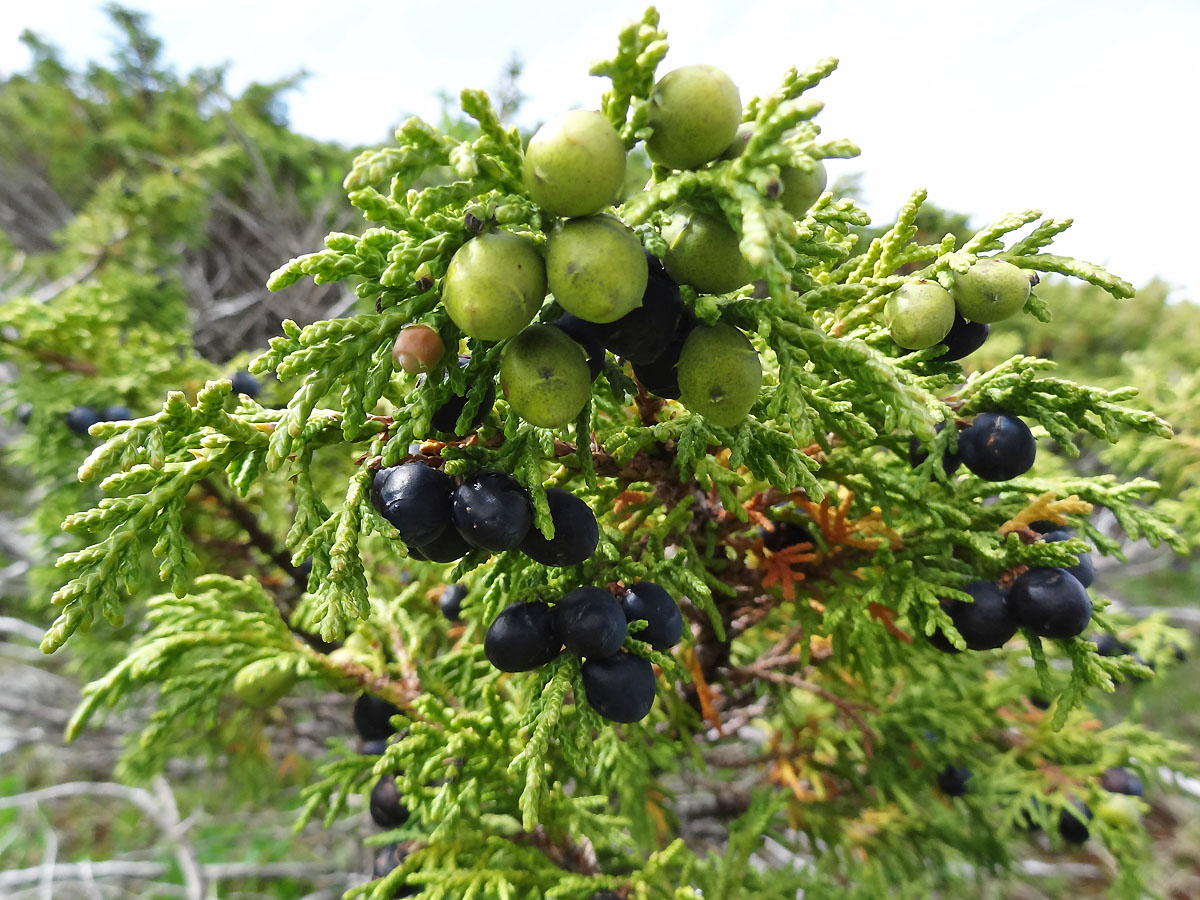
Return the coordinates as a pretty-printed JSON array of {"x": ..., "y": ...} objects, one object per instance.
[{"x": 809, "y": 667}]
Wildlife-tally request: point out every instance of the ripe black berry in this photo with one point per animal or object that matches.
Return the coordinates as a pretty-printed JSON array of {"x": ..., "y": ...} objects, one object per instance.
[
  {"x": 372, "y": 717},
  {"x": 646, "y": 600},
  {"x": 952, "y": 780},
  {"x": 1050, "y": 602},
  {"x": 245, "y": 383},
  {"x": 1110, "y": 645},
  {"x": 590, "y": 622},
  {"x": 115, "y": 414},
  {"x": 491, "y": 510},
  {"x": 415, "y": 499},
  {"x": 986, "y": 623},
  {"x": 638, "y": 335},
  {"x": 997, "y": 447},
  {"x": 386, "y": 809},
  {"x": 451, "y": 601},
  {"x": 24, "y": 413},
  {"x": 388, "y": 858},
  {"x": 374, "y": 748},
  {"x": 1072, "y": 825},
  {"x": 1084, "y": 570},
  {"x": 446, "y": 416},
  {"x": 941, "y": 642},
  {"x": 1043, "y": 526},
  {"x": 81, "y": 418},
  {"x": 620, "y": 688},
  {"x": 785, "y": 534},
  {"x": 1121, "y": 781},
  {"x": 576, "y": 533},
  {"x": 446, "y": 547},
  {"x": 661, "y": 377},
  {"x": 523, "y": 637},
  {"x": 917, "y": 454},
  {"x": 963, "y": 339}
]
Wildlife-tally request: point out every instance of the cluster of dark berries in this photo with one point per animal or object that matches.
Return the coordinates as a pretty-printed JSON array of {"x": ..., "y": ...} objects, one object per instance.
[
  {"x": 1049, "y": 601},
  {"x": 1072, "y": 822},
  {"x": 441, "y": 521},
  {"x": 373, "y": 721},
  {"x": 591, "y": 623},
  {"x": 1110, "y": 645},
  {"x": 996, "y": 446},
  {"x": 81, "y": 418},
  {"x": 922, "y": 313},
  {"x": 1120, "y": 784}
]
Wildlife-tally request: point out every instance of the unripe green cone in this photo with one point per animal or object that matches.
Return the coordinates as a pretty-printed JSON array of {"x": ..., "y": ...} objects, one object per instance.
[
  {"x": 1119, "y": 810},
  {"x": 919, "y": 314},
  {"x": 346, "y": 656},
  {"x": 703, "y": 252},
  {"x": 575, "y": 164},
  {"x": 694, "y": 111},
  {"x": 719, "y": 374},
  {"x": 494, "y": 285},
  {"x": 741, "y": 138},
  {"x": 991, "y": 290},
  {"x": 596, "y": 268},
  {"x": 801, "y": 189},
  {"x": 264, "y": 681},
  {"x": 544, "y": 374}
]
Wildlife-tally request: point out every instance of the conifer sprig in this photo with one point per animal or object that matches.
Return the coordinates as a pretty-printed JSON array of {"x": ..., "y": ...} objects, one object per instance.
[{"x": 508, "y": 775}]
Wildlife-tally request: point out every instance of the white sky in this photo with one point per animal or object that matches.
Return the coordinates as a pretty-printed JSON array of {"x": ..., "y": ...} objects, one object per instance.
[{"x": 991, "y": 105}]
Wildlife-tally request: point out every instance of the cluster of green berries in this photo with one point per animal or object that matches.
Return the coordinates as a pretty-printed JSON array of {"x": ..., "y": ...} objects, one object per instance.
[
  {"x": 592, "y": 623},
  {"x": 615, "y": 297},
  {"x": 921, "y": 313},
  {"x": 442, "y": 519}
]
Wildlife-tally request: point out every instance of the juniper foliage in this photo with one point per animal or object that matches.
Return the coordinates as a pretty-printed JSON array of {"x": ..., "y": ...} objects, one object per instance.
[{"x": 811, "y": 662}]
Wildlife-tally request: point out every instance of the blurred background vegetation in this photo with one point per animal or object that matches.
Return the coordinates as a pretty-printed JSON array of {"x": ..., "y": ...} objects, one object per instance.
[{"x": 141, "y": 211}]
